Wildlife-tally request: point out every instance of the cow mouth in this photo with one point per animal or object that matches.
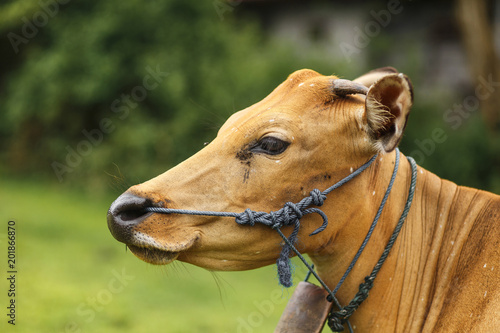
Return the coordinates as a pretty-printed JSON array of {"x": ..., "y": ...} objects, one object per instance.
[{"x": 153, "y": 255}]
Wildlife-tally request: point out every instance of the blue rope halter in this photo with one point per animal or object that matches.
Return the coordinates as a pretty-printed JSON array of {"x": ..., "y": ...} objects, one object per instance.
[{"x": 291, "y": 214}]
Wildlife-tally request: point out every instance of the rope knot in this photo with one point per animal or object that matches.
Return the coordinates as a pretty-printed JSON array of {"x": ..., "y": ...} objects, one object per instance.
[
  {"x": 291, "y": 213},
  {"x": 336, "y": 322},
  {"x": 364, "y": 288},
  {"x": 246, "y": 217},
  {"x": 275, "y": 224},
  {"x": 318, "y": 198}
]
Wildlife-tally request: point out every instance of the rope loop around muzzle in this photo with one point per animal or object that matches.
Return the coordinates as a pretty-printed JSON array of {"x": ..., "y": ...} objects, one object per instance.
[{"x": 289, "y": 215}]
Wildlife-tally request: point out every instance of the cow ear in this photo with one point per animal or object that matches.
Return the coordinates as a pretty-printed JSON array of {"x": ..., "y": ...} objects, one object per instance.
[
  {"x": 373, "y": 76},
  {"x": 388, "y": 103}
]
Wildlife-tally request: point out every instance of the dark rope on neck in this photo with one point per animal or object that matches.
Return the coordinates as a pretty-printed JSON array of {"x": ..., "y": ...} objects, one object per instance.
[
  {"x": 372, "y": 227},
  {"x": 336, "y": 319}
]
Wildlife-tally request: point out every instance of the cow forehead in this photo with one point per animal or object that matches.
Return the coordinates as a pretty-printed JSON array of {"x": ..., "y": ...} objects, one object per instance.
[{"x": 303, "y": 91}]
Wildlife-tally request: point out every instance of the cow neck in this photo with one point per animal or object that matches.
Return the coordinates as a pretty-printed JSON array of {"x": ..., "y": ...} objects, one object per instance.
[{"x": 336, "y": 319}]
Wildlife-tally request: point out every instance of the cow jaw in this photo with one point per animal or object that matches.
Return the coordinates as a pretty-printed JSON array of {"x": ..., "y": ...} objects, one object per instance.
[
  {"x": 151, "y": 251},
  {"x": 153, "y": 255}
]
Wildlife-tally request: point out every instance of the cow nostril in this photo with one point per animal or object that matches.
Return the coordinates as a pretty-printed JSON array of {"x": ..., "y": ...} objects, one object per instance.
[
  {"x": 125, "y": 213},
  {"x": 131, "y": 215}
]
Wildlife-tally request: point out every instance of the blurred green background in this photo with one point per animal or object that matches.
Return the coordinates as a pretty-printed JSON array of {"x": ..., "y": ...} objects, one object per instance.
[{"x": 96, "y": 96}]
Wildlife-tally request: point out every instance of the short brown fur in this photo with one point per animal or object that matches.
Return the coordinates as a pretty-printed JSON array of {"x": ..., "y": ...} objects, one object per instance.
[{"x": 443, "y": 272}]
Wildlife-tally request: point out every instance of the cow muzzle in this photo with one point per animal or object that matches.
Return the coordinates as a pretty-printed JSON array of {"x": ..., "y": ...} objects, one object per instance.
[{"x": 126, "y": 213}]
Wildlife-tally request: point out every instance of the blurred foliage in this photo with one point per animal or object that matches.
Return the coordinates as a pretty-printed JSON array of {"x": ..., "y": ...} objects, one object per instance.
[
  {"x": 82, "y": 65},
  {"x": 132, "y": 88}
]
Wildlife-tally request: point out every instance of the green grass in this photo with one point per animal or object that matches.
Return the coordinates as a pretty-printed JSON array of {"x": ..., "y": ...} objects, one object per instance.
[{"x": 67, "y": 262}]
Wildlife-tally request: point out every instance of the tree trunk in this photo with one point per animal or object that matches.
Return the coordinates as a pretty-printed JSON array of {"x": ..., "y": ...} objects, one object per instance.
[{"x": 477, "y": 35}]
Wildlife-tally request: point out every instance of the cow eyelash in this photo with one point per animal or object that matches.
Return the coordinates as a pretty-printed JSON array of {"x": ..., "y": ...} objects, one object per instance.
[{"x": 270, "y": 145}]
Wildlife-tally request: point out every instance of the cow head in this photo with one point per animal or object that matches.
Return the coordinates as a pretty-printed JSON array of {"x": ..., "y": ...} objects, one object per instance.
[{"x": 311, "y": 131}]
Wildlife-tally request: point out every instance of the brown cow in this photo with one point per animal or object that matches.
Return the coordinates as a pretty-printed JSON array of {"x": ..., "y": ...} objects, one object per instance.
[{"x": 443, "y": 273}]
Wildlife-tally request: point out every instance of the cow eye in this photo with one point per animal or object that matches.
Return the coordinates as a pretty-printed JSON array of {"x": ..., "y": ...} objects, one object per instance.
[{"x": 270, "y": 145}]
